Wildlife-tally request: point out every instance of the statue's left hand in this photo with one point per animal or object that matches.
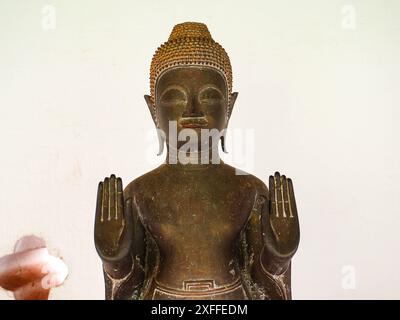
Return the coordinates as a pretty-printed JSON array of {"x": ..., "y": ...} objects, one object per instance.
[{"x": 280, "y": 220}]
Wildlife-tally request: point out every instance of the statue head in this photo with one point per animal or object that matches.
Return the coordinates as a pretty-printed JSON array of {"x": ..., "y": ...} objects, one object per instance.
[{"x": 190, "y": 83}]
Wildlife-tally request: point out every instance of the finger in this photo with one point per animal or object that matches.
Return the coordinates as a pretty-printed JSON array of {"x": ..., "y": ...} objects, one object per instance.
[
  {"x": 99, "y": 205},
  {"x": 120, "y": 199},
  {"x": 32, "y": 291},
  {"x": 272, "y": 196},
  {"x": 285, "y": 203},
  {"x": 106, "y": 199},
  {"x": 20, "y": 268},
  {"x": 279, "y": 194},
  {"x": 113, "y": 198},
  {"x": 292, "y": 200}
]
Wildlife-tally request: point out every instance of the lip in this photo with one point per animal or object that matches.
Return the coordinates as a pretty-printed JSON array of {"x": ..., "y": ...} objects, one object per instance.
[{"x": 193, "y": 122}]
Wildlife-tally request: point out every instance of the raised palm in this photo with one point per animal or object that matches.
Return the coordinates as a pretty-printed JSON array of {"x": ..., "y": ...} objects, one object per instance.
[
  {"x": 113, "y": 221},
  {"x": 280, "y": 219}
]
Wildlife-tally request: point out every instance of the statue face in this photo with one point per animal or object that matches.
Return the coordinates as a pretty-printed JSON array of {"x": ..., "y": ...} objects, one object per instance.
[{"x": 194, "y": 97}]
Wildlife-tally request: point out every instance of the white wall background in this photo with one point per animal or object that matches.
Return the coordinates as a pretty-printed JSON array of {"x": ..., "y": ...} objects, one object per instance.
[{"x": 318, "y": 83}]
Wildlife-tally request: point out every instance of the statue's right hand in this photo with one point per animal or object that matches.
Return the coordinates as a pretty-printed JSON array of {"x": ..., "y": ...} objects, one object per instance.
[{"x": 113, "y": 230}]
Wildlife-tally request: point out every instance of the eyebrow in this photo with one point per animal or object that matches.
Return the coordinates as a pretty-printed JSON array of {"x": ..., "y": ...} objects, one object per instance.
[
  {"x": 211, "y": 86},
  {"x": 176, "y": 87}
]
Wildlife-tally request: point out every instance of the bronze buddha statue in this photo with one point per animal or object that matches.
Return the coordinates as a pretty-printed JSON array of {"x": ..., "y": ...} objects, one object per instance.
[{"x": 193, "y": 228}]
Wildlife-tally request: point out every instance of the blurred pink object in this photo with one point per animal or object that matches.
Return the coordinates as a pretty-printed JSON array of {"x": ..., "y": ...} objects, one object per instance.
[{"x": 30, "y": 272}]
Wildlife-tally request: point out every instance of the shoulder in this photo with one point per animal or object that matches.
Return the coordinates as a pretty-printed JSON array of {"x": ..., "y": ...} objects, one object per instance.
[
  {"x": 260, "y": 186},
  {"x": 256, "y": 183},
  {"x": 144, "y": 183}
]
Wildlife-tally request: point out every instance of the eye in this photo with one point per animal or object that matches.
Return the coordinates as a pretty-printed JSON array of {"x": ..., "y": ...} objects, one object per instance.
[
  {"x": 210, "y": 95},
  {"x": 173, "y": 96}
]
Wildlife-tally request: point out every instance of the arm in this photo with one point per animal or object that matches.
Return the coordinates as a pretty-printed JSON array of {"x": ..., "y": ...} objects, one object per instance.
[{"x": 119, "y": 240}]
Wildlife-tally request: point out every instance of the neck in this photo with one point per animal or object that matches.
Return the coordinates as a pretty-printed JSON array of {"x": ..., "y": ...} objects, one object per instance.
[{"x": 185, "y": 159}]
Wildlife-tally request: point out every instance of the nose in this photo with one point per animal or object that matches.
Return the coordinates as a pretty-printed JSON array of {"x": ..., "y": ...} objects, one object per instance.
[{"x": 193, "y": 108}]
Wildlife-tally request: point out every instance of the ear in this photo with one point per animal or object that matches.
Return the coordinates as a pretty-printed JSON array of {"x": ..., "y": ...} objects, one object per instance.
[
  {"x": 151, "y": 107},
  {"x": 232, "y": 100}
]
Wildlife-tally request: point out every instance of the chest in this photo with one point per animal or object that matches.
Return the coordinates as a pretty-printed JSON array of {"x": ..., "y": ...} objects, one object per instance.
[{"x": 195, "y": 210}]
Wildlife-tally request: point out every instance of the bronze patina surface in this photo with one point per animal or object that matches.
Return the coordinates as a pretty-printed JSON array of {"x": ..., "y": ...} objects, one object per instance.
[{"x": 195, "y": 230}]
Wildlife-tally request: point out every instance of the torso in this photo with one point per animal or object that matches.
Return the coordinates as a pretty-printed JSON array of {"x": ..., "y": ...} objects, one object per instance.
[{"x": 195, "y": 218}]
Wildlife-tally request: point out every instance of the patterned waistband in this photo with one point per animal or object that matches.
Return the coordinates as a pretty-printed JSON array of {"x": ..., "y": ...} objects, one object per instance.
[{"x": 198, "y": 288}]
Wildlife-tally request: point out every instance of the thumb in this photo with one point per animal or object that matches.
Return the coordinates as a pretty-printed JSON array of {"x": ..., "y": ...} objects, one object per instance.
[
  {"x": 128, "y": 219},
  {"x": 128, "y": 214}
]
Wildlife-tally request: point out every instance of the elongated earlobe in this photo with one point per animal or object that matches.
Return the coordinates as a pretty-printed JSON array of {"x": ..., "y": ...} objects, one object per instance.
[
  {"x": 232, "y": 100},
  {"x": 223, "y": 138},
  {"x": 161, "y": 141},
  {"x": 160, "y": 133},
  {"x": 152, "y": 109}
]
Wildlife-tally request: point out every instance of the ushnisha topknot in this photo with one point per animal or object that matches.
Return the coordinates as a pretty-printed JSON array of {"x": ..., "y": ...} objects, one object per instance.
[{"x": 190, "y": 43}]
